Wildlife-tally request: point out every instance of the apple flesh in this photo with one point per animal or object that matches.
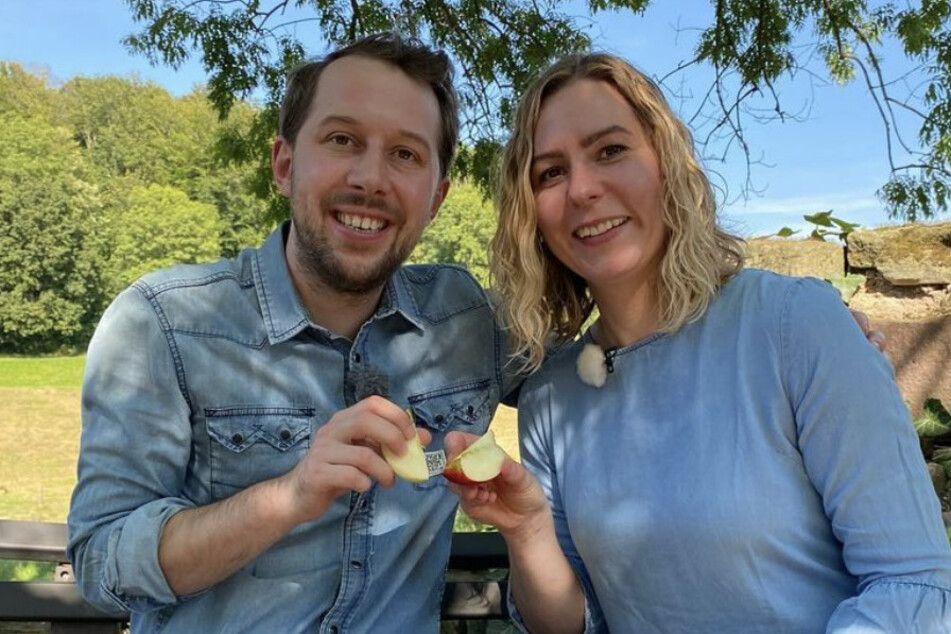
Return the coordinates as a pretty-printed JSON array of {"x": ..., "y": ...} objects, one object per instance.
[
  {"x": 411, "y": 466},
  {"x": 480, "y": 462}
]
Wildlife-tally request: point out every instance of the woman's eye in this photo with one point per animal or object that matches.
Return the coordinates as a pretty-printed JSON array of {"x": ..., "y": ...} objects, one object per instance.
[
  {"x": 612, "y": 150},
  {"x": 549, "y": 173}
]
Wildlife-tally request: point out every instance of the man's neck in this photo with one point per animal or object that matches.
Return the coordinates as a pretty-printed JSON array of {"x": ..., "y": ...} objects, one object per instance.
[{"x": 341, "y": 313}]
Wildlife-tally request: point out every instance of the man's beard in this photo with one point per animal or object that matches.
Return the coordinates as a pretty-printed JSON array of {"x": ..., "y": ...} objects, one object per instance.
[{"x": 317, "y": 257}]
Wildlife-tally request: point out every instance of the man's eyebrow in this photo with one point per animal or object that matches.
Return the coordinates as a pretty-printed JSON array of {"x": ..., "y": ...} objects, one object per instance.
[
  {"x": 343, "y": 119},
  {"x": 588, "y": 141}
]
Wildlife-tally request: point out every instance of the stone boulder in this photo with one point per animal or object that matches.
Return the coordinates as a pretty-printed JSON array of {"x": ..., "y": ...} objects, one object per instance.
[
  {"x": 803, "y": 258},
  {"x": 910, "y": 255}
]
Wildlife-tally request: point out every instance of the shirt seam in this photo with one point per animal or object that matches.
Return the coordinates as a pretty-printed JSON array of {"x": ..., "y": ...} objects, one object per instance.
[{"x": 149, "y": 295}]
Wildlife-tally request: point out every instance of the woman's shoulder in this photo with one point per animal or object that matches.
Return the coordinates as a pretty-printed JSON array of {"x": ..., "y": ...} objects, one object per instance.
[{"x": 768, "y": 289}]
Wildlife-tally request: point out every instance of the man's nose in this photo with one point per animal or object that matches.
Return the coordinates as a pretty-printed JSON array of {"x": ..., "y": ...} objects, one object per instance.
[{"x": 367, "y": 172}]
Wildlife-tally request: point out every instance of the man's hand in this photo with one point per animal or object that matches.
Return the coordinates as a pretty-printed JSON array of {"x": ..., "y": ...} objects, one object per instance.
[
  {"x": 875, "y": 337},
  {"x": 345, "y": 455}
]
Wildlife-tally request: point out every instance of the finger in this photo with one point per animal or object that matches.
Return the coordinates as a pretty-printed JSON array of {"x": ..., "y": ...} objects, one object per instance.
[
  {"x": 425, "y": 436},
  {"x": 390, "y": 411},
  {"x": 862, "y": 320},
  {"x": 877, "y": 338},
  {"x": 365, "y": 460},
  {"x": 347, "y": 478},
  {"x": 456, "y": 442}
]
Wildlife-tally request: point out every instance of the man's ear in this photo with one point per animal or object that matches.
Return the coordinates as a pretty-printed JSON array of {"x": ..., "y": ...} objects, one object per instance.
[
  {"x": 441, "y": 191},
  {"x": 282, "y": 165}
]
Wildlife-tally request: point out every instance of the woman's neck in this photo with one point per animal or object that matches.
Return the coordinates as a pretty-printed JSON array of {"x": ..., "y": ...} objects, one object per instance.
[{"x": 627, "y": 314}]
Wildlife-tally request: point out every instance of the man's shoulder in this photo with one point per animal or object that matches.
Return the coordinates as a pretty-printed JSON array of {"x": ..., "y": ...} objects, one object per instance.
[
  {"x": 443, "y": 290},
  {"x": 236, "y": 272}
]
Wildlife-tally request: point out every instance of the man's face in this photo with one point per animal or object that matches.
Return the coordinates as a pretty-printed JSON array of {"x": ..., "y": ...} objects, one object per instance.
[{"x": 363, "y": 175}]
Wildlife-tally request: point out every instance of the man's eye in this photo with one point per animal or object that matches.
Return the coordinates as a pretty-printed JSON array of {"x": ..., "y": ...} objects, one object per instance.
[
  {"x": 406, "y": 155},
  {"x": 340, "y": 139}
]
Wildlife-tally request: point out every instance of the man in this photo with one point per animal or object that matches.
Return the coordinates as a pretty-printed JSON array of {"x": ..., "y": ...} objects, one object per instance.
[{"x": 229, "y": 474}]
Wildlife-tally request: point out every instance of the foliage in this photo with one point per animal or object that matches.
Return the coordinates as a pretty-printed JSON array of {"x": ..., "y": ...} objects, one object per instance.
[
  {"x": 50, "y": 291},
  {"x": 14, "y": 570},
  {"x": 461, "y": 232},
  {"x": 750, "y": 46},
  {"x": 825, "y": 225},
  {"x": 465, "y": 524},
  {"x": 934, "y": 420},
  {"x": 828, "y": 225},
  {"x": 102, "y": 179},
  {"x": 157, "y": 227},
  {"x": 847, "y": 285}
]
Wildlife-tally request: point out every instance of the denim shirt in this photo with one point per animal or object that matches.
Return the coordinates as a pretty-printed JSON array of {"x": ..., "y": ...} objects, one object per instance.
[{"x": 203, "y": 380}]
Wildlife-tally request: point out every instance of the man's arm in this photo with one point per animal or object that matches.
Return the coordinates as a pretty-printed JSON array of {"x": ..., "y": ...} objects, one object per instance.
[{"x": 201, "y": 547}]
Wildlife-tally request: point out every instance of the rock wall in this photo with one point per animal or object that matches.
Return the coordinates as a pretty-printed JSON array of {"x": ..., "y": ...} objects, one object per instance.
[{"x": 906, "y": 292}]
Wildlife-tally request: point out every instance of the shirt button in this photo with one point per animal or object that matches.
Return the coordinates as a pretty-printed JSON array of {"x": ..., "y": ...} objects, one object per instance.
[
  {"x": 356, "y": 357},
  {"x": 285, "y": 434},
  {"x": 237, "y": 439},
  {"x": 356, "y": 564},
  {"x": 334, "y": 629},
  {"x": 439, "y": 419}
]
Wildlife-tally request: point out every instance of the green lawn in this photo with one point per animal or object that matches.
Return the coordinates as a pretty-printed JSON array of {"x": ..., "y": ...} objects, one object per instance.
[
  {"x": 39, "y": 436},
  {"x": 58, "y": 372}
]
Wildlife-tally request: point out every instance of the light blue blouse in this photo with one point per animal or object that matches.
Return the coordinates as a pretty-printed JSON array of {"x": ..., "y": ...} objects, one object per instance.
[{"x": 757, "y": 471}]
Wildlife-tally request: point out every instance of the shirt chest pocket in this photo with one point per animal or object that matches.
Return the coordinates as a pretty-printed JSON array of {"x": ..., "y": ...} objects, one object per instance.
[
  {"x": 467, "y": 407},
  {"x": 249, "y": 445}
]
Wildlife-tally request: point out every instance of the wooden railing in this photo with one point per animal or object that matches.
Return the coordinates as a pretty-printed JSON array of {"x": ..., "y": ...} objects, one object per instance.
[{"x": 471, "y": 591}]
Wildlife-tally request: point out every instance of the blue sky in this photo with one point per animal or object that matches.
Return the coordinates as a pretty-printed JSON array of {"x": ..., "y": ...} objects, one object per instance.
[{"x": 835, "y": 159}]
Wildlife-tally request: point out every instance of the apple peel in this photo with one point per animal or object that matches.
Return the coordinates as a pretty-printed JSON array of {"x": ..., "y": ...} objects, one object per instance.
[{"x": 480, "y": 462}]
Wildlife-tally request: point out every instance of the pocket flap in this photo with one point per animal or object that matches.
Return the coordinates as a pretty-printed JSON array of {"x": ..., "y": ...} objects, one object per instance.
[
  {"x": 238, "y": 432},
  {"x": 463, "y": 405}
]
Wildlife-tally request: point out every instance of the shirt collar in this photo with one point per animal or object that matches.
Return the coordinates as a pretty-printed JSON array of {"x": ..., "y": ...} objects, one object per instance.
[{"x": 284, "y": 313}]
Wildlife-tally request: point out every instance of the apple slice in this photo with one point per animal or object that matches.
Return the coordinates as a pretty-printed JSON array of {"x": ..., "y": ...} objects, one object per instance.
[
  {"x": 411, "y": 466},
  {"x": 480, "y": 462}
]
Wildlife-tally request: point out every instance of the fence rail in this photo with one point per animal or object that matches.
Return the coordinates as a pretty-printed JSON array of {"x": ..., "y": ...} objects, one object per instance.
[{"x": 471, "y": 591}]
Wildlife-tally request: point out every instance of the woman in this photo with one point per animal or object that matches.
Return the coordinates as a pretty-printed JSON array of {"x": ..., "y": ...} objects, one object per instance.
[{"x": 740, "y": 460}]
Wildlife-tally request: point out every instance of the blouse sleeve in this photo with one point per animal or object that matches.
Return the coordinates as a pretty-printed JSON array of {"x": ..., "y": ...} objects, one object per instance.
[
  {"x": 862, "y": 454},
  {"x": 534, "y": 431}
]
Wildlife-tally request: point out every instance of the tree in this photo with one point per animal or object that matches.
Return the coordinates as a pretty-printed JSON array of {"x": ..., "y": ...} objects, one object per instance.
[
  {"x": 500, "y": 44},
  {"x": 159, "y": 226},
  {"x": 461, "y": 232},
  {"x": 50, "y": 246}
]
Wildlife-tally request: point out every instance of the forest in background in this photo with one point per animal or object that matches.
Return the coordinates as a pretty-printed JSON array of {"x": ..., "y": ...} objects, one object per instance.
[{"x": 103, "y": 179}]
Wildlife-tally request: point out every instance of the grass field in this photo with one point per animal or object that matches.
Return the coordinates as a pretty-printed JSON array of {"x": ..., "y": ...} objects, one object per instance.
[{"x": 39, "y": 435}]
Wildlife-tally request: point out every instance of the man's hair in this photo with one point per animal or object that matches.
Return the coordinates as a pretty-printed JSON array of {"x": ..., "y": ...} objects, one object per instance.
[
  {"x": 544, "y": 302},
  {"x": 430, "y": 67}
]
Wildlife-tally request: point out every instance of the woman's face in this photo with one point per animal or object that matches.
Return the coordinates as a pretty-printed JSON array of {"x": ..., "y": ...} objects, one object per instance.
[{"x": 598, "y": 186}]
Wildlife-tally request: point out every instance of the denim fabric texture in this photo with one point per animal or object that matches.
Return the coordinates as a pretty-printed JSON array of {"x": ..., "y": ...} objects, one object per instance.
[{"x": 202, "y": 380}]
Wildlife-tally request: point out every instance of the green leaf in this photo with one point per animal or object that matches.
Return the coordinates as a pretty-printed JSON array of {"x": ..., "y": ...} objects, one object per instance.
[
  {"x": 928, "y": 426},
  {"x": 847, "y": 285},
  {"x": 822, "y": 218},
  {"x": 785, "y": 232}
]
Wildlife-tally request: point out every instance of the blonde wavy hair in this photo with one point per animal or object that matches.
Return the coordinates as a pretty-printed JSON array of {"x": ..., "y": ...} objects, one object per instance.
[{"x": 544, "y": 303}]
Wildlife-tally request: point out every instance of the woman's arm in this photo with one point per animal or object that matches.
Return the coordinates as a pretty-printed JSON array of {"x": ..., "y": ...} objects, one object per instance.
[
  {"x": 543, "y": 584},
  {"x": 861, "y": 453}
]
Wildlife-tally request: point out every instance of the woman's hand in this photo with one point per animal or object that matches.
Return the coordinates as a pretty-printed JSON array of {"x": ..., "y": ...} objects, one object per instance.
[{"x": 513, "y": 502}]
